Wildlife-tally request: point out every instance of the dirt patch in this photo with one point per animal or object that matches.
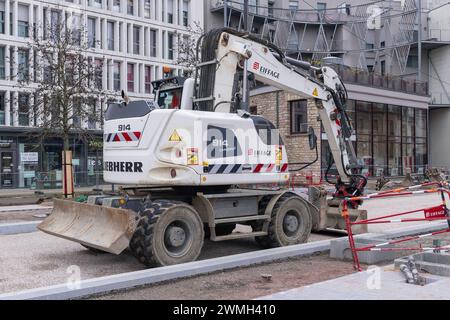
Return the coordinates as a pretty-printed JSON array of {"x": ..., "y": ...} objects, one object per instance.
[{"x": 243, "y": 283}]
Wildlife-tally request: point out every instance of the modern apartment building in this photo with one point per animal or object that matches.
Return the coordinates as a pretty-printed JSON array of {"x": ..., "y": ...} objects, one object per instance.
[
  {"x": 129, "y": 41},
  {"x": 374, "y": 46}
]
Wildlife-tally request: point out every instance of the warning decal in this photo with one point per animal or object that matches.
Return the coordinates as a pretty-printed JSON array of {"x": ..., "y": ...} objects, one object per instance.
[{"x": 175, "y": 137}]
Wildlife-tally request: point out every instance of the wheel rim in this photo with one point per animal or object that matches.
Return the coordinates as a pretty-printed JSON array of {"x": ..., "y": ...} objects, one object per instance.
[
  {"x": 177, "y": 238},
  {"x": 291, "y": 223}
]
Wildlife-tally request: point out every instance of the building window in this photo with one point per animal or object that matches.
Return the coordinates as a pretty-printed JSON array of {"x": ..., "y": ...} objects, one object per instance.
[
  {"x": 110, "y": 26},
  {"x": 98, "y": 73},
  {"x": 2, "y": 62},
  {"x": 97, "y": 3},
  {"x": 413, "y": 61},
  {"x": 153, "y": 42},
  {"x": 91, "y": 32},
  {"x": 92, "y": 116},
  {"x": 130, "y": 7},
  {"x": 344, "y": 8},
  {"x": 391, "y": 140},
  {"x": 130, "y": 77},
  {"x": 24, "y": 108},
  {"x": 270, "y": 8},
  {"x": 76, "y": 109},
  {"x": 148, "y": 79},
  {"x": 170, "y": 38},
  {"x": 253, "y": 6},
  {"x": 299, "y": 116},
  {"x": 147, "y": 9},
  {"x": 170, "y": 11},
  {"x": 293, "y": 5},
  {"x": 23, "y": 65},
  {"x": 116, "y": 76},
  {"x": 136, "y": 39},
  {"x": 2, "y": 108},
  {"x": 321, "y": 6},
  {"x": 55, "y": 26},
  {"x": 379, "y": 120},
  {"x": 116, "y": 5},
  {"x": 2, "y": 17},
  {"x": 76, "y": 32},
  {"x": 22, "y": 22},
  {"x": 185, "y": 13}
]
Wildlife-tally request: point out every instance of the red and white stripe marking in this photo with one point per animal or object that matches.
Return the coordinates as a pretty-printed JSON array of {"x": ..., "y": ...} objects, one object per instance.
[
  {"x": 269, "y": 168},
  {"x": 123, "y": 136}
]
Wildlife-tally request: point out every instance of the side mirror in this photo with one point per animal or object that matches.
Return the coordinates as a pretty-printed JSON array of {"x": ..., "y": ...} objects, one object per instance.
[
  {"x": 125, "y": 97},
  {"x": 312, "y": 138}
]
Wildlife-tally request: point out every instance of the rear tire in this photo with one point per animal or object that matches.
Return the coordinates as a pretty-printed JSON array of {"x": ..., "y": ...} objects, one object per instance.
[
  {"x": 168, "y": 232},
  {"x": 291, "y": 223}
]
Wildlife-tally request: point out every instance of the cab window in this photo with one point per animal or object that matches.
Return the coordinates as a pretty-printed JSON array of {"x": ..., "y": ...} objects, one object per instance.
[{"x": 170, "y": 99}]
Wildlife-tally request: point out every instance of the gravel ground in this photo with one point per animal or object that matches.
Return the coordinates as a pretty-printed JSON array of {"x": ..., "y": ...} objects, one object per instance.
[
  {"x": 22, "y": 213},
  {"x": 381, "y": 207},
  {"x": 36, "y": 259},
  {"x": 242, "y": 283}
]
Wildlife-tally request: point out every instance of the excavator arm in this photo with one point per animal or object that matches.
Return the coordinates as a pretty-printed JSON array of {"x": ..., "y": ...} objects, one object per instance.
[{"x": 225, "y": 55}]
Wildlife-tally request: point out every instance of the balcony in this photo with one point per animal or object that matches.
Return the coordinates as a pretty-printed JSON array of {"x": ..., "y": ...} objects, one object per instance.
[
  {"x": 438, "y": 35},
  {"x": 336, "y": 16},
  {"x": 388, "y": 82},
  {"x": 439, "y": 98}
]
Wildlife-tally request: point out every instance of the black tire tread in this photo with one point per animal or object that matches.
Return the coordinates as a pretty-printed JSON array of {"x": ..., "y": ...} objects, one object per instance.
[
  {"x": 141, "y": 241},
  {"x": 270, "y": 240}
]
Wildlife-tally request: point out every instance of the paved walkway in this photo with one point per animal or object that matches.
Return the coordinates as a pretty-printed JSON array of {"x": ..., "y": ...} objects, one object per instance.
[
  {"x": 31, "y": 192},
  {"x": 387, "y": 284}
]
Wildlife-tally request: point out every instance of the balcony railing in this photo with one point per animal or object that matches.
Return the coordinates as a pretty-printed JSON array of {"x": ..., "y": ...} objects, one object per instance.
[
  {"x": 440, "y": 35},
  {"x": 297, "y": 15},
  {"x": 389, "y": 82},
  {"x": 439, "y": 97}
]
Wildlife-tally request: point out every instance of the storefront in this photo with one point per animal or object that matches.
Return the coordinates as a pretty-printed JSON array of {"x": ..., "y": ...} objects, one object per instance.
[
  {"x": 390, "y": 140},
  {"x": 25, "y": 162}
]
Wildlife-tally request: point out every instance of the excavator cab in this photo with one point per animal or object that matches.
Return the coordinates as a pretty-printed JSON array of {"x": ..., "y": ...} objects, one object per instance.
[{"x": 174, "y": 93}]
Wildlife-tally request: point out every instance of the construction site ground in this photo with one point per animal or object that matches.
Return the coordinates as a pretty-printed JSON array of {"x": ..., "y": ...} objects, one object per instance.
[
  {"x": 242, "y": 283},
  {"x": 36, "y": 259}
]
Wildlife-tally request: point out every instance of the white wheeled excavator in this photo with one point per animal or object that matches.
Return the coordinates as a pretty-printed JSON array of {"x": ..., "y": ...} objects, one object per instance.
[{"x": 195, "y": 161}]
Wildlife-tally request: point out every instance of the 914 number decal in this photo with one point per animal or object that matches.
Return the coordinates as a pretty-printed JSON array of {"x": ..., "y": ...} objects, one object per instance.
[{"x": 124, "y": 127}]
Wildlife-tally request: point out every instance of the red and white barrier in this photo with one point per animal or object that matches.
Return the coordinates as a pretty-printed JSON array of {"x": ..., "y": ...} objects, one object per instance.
[{"x": 438, "y": 212}]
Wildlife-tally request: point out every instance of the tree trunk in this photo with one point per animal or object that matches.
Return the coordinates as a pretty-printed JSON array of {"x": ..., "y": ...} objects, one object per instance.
[{"x": 66, "y": 145}]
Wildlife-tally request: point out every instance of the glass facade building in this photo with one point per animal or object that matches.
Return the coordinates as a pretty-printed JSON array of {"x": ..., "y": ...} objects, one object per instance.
[
  {"x": 26, "y": 163},
  {"x": 391, "y": 140}
]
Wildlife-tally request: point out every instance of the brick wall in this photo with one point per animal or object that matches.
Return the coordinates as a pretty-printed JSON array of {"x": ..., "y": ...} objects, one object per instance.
[{"x": 297, "y": 145}]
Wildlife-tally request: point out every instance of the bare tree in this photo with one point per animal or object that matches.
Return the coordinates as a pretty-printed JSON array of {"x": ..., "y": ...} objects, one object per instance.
[
  {"x": 186, "y": 48},
  {"x": 64, "y": 80}
]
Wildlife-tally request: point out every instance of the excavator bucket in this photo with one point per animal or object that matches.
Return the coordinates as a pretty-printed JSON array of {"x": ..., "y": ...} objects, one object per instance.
[{"x": 104, "y": 228}]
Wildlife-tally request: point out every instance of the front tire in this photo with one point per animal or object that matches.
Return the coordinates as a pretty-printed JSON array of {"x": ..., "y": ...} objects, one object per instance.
[
  {"x": 291, "y": 223},
  {"x": 168, "y": 232}
]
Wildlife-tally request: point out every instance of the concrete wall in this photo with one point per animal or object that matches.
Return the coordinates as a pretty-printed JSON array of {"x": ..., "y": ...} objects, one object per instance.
[
  {"x": 439, "y": 131},
  {"x": 440, "y": 70}
]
